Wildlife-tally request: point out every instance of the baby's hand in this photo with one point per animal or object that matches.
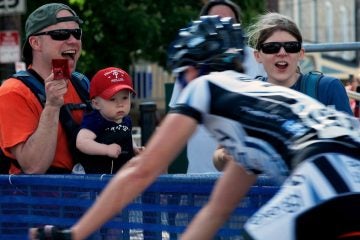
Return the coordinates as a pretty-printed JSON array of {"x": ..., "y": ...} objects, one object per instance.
[
  {"x": 138, "y": 150},
  {"x": 113, "y": 150}
]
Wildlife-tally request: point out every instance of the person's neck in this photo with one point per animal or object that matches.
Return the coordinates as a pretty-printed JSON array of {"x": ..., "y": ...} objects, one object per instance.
[
  {"x": 118, "y": 121},
  {"x": 44, "y": 70},
  {"x": 285, "y": 83},
  {"x": 109, "y": 119}
]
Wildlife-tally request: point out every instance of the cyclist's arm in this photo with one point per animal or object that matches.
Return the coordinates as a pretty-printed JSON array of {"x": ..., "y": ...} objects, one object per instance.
[{"x": 228, "y": 192}]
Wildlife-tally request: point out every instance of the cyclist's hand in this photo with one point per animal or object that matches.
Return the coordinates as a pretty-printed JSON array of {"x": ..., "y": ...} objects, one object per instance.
[{"x": 49, "y": 232}]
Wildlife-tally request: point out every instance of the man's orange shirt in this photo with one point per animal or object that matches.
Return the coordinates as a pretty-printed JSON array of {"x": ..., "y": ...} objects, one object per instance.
[{"x": 19, "y": 117}]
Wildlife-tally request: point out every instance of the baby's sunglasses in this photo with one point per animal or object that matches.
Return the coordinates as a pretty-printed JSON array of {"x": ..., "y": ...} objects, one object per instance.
[
  {"x": 62, "y": 34},
  {"x": 274, "y": 47}
]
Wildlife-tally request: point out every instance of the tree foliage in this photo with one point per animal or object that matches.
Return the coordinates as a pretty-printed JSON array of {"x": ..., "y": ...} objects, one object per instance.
[{"x": 119, "y": 32}]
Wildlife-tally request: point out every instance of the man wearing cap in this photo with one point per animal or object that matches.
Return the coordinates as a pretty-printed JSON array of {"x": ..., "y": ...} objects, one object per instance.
[
  {"x": 29, "y": 133},
  {"x": 105, "y": 135}
]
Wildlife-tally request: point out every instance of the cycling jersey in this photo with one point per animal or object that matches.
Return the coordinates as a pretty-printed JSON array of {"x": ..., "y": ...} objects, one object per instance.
[{"x": 320, "y": 179}]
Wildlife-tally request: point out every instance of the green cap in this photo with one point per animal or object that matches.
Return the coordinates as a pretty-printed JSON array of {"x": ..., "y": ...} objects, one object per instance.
[
  {"x": 43, "y": 17},
  {"x": 46, "y": 15}
]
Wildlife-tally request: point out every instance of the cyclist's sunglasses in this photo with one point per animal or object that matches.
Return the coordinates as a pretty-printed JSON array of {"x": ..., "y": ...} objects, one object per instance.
[
  {"x": 62, "y": 34},
  {"x": 274, "y": 47}
]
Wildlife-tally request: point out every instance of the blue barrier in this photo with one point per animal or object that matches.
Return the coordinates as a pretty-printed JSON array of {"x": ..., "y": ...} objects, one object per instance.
[{"x": 161, "y": 212}]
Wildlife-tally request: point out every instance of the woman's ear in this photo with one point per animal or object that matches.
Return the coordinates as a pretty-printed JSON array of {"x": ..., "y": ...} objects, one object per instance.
[
  {"x": 302, "y": 54},
  {"x": 257, "y": 56}
]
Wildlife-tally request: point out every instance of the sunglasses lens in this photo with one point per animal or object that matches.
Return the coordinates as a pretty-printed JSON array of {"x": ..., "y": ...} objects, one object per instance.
[
  {"x": 270, "y": 48},
  {"x": 274, "y": 47},
  {"x": 76, "y": 33},
  {"x": 59, "y": 35},
  {"x": 292, "y": 47}
]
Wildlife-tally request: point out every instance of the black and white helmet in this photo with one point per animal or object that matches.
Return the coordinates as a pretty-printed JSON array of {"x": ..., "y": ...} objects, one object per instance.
[{"x": 211, "y": 42}]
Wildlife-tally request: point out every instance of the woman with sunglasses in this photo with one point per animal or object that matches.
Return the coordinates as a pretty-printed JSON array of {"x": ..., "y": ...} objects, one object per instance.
[{"x": 278, "y": 46}]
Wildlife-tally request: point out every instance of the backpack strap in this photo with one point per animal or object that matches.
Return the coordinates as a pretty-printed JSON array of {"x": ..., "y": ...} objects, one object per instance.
[
  {"x": 82, "y": 86},
  {"x": 310, "y": 83},
  {"x": 33, "y": 84}
]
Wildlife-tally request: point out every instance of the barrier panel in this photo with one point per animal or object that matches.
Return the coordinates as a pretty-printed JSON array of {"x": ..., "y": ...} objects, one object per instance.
[{"x": 161, "y": 212}]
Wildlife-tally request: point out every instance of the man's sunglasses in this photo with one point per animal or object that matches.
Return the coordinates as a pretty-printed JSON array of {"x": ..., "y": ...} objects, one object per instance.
[
  {"x": 62, "y": 34},
  {"x": 274, "y": 47}
]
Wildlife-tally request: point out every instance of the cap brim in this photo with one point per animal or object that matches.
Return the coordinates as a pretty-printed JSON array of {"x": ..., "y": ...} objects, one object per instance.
[{"x": 108, "y": 93}]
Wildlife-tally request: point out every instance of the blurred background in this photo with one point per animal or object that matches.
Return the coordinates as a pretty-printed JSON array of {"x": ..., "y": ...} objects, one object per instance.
[{"x": 134, "y": 35}]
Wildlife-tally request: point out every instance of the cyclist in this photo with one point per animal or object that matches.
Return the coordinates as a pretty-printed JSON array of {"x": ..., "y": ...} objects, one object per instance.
[{"x": 268, "y": 130}]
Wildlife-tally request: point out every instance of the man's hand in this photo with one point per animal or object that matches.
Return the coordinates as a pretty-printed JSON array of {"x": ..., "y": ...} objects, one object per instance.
[
  {"x": 55, "y": 91},
  {"x": 49, "y": 232}
]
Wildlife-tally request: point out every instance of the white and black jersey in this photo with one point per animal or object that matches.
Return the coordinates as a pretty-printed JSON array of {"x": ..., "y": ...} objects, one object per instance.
[
  {"x": 320, "y": 200},
  {"x": 262, "y": 125},
  {"x": 268, "y": 128}
]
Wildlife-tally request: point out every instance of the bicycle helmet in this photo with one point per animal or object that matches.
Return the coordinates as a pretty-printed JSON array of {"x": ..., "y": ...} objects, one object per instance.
[{"x": 211, "y": 43}]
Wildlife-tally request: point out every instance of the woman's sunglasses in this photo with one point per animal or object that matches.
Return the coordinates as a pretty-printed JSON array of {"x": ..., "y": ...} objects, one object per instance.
[
  {"x": 274, "y": 47},
  {"x": 62, "y": 34}
]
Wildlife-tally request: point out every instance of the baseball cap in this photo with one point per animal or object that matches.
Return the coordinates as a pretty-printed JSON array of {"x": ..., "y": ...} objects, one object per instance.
[
  {"x": 107, "y": 82},
  {"x": 43, "y": 17}
]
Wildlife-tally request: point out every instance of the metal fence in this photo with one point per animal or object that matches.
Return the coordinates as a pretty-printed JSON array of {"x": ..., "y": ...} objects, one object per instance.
[{"x": 162, "y": 212}]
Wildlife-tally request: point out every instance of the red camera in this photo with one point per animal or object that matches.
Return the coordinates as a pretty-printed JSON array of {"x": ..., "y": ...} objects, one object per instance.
[{"x": 61, "y": 69}]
